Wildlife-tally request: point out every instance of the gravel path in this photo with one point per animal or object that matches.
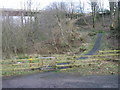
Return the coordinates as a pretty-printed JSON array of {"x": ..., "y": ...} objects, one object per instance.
[{"x": 60, "y": 80}]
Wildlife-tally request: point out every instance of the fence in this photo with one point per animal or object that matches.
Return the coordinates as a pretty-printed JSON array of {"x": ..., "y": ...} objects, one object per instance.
[
  {"x": 63, "y": 62},
  {"x": 108, "y": 55}
]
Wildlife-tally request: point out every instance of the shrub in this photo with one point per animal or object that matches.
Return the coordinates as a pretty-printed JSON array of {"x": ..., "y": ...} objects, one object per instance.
[{"x": 92, "y": 33}]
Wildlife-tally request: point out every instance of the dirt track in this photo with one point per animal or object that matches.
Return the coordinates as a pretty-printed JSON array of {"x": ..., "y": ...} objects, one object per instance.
[{"x": 60, "y": 80}]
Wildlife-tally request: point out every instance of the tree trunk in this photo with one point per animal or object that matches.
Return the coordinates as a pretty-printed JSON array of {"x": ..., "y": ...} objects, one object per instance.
[
  {"x": 118, "y": 13},
  {"x": 112, "y": 4}
]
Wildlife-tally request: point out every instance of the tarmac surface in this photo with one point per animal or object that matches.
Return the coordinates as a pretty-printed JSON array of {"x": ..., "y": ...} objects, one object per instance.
[
  {"x": 95, "y": 47},
  {"x": 60, "y": 80}
]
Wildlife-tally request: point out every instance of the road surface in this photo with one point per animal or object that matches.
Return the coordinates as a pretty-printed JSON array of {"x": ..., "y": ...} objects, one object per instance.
[{"x": 60, "y": 80}]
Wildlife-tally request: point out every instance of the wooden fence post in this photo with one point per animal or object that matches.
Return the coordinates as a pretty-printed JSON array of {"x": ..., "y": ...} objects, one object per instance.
[
  {"x": 42, "y": 63},
  {"x": 30, "y": 61}
]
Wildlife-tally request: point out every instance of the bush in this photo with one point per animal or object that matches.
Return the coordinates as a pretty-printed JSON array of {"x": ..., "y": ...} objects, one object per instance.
[
  {"x": 22, "y": 57},
  {"x": 81, "y": 22},
  {"x": 100, "y": 31},
  {"x": 112, "y": 28},
  {"x": 92, "y": 33}
]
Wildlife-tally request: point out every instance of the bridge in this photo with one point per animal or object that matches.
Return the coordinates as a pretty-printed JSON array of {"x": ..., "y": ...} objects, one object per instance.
[{"x": 18, "y": 12}]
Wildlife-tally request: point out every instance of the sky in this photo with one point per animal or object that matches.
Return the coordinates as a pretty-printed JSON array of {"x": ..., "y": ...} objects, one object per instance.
[{"x": 18, "y": 4}]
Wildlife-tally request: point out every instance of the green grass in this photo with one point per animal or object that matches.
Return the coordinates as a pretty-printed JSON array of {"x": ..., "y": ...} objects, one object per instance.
[
  {"x": 16, "y": 73},
  {"x": 98, "y": 68}
]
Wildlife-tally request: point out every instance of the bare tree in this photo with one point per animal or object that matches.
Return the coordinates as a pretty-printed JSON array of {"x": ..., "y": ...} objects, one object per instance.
[
  {"x": 101, "y": 10},
  {"x": 94, "y": 7},
  {"x": 114, "y": 10},
  {"x": 118, "y": 13}
]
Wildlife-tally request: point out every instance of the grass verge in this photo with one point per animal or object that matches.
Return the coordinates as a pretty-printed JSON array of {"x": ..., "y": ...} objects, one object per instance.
[{"x": 98, "y": 68}]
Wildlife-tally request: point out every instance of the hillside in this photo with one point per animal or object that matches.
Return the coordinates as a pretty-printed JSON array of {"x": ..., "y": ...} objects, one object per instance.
[{"x": 55, "y": 32}]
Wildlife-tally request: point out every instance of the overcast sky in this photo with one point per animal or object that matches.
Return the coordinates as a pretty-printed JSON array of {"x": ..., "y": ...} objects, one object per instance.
[{"x": 18, "y": 4}]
